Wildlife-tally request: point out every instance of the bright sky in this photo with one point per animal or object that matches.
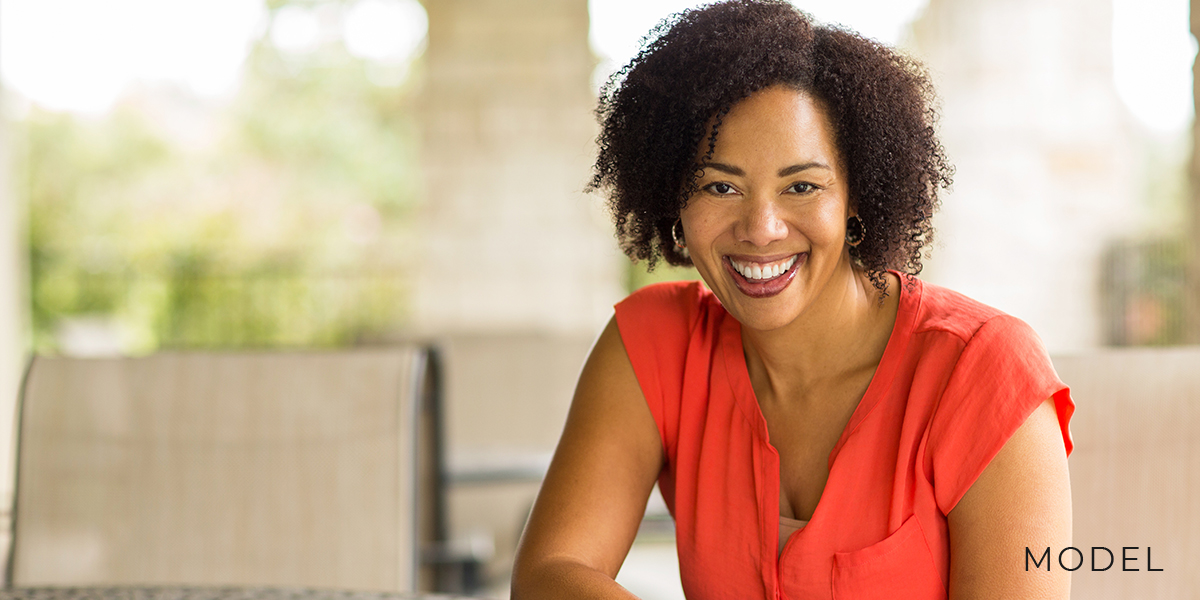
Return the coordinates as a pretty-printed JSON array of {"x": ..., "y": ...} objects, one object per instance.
[
  {"x": 79, "y": 55},
  {"x": 1152, "y": 60}
]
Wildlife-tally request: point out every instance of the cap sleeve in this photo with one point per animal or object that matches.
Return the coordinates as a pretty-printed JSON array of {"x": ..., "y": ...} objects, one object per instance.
[
  {"x": 1003, "y": 374},
  {"x": 655, "y": 323}
]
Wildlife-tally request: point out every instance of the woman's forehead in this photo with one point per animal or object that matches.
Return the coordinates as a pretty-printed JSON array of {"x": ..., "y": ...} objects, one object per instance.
[{"x": 776, "y": 124}]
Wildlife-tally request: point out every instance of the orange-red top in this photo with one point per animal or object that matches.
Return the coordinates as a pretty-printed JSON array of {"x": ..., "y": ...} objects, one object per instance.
[{"x": 956, "y": 380}]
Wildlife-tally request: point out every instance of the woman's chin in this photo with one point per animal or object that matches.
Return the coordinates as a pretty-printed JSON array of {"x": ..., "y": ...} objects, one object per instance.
[
  {"x": 764, "y": 314},
  {"x": 761, "y": 320}
]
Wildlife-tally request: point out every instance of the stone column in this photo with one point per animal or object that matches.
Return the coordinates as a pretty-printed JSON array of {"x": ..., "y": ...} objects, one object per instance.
[
  {"x": 507, "y": 239},
  {"x": 1192, "y": 296},
  {"x": 1041, "y": 142}
]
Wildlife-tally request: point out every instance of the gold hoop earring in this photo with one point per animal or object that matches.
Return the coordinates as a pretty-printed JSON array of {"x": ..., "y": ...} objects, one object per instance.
[
  {"x": 856, "y": 231},
  {"x": 677, "y": 237},
  {"x": 677, "y": 234}
]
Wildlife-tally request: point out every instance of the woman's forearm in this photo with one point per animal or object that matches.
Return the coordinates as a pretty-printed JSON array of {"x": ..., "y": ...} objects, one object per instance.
[
  {"x": 565, "y": 580},
  {"x": 594, "y": 494}
]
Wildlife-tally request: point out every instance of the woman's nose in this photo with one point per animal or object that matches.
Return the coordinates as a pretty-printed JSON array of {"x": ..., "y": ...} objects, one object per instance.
[{"x": 761, "y": 222}]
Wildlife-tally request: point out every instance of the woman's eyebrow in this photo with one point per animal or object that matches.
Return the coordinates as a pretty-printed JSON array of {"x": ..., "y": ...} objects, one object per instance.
[
  {"x": 784, "y": 172},
  {"x": 792, "y": 170},
  {"x": 724, "y": 168}
]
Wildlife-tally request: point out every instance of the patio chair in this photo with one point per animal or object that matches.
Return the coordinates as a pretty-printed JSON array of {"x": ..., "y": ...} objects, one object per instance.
[{"x": 260, "y": 469}]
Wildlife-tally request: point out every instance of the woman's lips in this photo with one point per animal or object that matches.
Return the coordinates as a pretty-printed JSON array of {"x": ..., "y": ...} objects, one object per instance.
[{"x": 767, "y": 287}]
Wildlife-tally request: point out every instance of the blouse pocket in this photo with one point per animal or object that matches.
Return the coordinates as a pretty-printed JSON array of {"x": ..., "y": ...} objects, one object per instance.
[{"x": 899, "y": 567}]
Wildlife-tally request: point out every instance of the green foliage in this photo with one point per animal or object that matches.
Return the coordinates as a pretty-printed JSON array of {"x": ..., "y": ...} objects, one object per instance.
[
  {"x": 283, "y": 222},
  {"x": 1144, "y": 294},
  {"x": 637, "y": 276},
  {"x": 1143, "y": 277}
]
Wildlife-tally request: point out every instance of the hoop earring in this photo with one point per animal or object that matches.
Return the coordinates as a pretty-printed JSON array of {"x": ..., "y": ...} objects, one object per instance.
[
  {"x": 856, "y": 231},
  {"x": 677, "y": 237}
]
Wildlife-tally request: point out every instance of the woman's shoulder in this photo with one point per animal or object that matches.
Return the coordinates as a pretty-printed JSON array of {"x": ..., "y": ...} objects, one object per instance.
[
  {"x": 995, "y": 373},
  {"x": 658, "y": 322},
  {"x": 671, "y": 303},
  {"x": 964, "y": 318}
]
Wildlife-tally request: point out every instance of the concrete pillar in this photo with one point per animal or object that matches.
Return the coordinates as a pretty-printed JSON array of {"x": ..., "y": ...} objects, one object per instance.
[
  {"x": 507, "y": 239},
  {"x": 1041, "y": 142},
  {"x": 1192, "y": 296}
]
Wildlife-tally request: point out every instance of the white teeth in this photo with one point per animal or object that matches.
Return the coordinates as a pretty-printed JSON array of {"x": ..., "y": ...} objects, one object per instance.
[{"x": 758, "y": 271}]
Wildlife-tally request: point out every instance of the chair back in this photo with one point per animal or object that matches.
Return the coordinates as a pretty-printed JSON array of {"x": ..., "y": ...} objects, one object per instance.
[
  {"x": 1135, "y": 472},
  {"x": 280, "y": 469}
]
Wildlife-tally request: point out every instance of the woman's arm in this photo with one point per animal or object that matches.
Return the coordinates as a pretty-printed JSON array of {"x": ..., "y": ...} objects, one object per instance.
[
  {"x": 594, "y": 496},
  {"x": 1022, "y": 499}
]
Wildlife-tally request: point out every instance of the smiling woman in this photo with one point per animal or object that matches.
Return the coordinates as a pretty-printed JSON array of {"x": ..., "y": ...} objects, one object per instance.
[{"x": 821, "y": 423}]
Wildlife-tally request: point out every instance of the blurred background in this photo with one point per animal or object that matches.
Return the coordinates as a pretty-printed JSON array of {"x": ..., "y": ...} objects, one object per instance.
[{"x": 186, "y": 174}]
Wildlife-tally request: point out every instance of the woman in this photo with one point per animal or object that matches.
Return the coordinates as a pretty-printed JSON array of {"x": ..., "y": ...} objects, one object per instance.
[{"x": 821, "y": 423}]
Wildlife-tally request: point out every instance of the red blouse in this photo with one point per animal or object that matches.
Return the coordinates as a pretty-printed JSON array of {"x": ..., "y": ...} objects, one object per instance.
[{"x": 956, "y": 380}]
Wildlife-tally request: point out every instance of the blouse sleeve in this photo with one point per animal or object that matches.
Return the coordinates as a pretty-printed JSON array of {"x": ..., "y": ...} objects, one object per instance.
[
  {"x": 1003, "y": 374},
  {"x": 655, "y": 323}
]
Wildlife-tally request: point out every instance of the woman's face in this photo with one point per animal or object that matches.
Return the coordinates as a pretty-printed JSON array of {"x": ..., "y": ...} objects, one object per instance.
[{"x": 766, "y": 230}]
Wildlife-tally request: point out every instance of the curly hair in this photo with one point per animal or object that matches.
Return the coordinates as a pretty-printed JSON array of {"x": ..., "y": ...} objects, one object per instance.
[{"x": 695, "y": 65}]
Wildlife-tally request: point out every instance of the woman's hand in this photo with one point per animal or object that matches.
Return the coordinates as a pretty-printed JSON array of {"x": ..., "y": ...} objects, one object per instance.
[
  {"x": 594, "y": 496},
  {"x": 1022, "y": 499}
]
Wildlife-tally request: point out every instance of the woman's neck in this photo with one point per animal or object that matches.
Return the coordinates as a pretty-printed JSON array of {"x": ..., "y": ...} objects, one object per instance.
[{"x": 843, "y": 333}]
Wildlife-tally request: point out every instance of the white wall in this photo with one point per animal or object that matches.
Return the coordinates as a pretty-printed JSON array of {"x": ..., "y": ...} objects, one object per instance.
[{"x": 1042, "y": 146}]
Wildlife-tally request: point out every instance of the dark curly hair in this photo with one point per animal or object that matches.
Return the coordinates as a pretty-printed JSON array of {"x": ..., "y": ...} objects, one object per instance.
[{"x": 694, "y": 66}]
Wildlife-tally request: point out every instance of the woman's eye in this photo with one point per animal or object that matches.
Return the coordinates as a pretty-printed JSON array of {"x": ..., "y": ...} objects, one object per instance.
[
  {"x": 802, "y": 188},
  {"x": 721, "y": 189}
]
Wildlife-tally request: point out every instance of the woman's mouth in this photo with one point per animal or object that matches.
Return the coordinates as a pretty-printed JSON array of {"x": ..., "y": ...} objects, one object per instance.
[{"x": 762, "y": 279}]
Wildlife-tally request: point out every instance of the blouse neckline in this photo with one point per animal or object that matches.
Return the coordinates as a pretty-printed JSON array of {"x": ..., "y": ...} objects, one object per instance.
[
  {"x": 910, "y": 290},
  {"x": 893, "y": 353}
]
